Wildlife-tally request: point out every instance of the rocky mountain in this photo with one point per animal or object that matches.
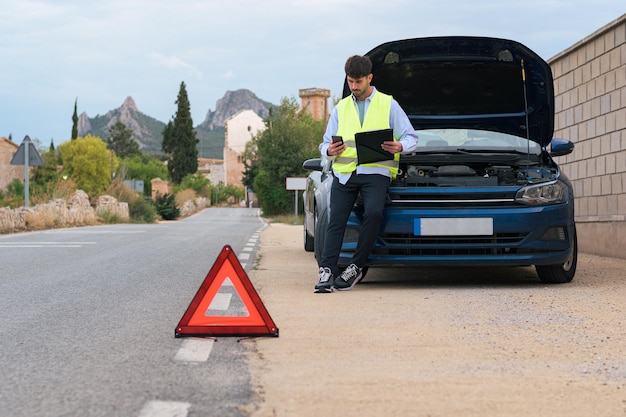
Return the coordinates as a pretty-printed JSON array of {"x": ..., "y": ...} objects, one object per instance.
[
  {"x": 211, "y": 132},
  {"x": 148, "y": 132},
  {"x": 232, "y": 103}
]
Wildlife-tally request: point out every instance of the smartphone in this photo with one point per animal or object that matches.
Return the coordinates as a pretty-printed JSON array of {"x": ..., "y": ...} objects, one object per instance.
[{"x": 337, "y": 139}]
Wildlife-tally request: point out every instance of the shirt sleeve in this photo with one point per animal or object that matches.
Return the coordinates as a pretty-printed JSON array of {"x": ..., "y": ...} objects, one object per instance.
[
  {"x": 331, "y": 129},
  {"x": 402, "y": 128}
]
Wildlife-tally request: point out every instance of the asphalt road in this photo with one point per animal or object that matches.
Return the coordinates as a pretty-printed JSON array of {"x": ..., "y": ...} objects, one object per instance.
[{"x": 87, "y": 319}]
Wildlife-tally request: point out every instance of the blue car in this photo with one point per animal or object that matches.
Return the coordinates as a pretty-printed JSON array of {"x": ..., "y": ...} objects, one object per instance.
[{"x": 482, "y": 187}]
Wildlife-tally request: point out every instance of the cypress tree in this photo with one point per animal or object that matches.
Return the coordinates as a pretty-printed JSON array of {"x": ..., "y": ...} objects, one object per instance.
[
  {"x": 75, "y": 121},
  {"x": 179, "y": 140}
]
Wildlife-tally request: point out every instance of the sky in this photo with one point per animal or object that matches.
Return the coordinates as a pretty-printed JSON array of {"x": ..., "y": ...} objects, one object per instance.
[{"x": 56, "y": 52}]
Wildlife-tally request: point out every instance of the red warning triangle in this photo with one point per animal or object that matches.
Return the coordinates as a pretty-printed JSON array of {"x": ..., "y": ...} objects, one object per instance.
[{"x": 206, "y": 317}]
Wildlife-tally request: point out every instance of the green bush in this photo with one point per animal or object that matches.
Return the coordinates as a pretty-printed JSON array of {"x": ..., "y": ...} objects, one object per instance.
[
  {"x": 110, "y": 218},
  {"x": 14, "y": 194},
  {"x": 166, "y": 207},
  {"x": 197, "y": 182},
  {"x": 143, "y": 167},
  {"x": 224, "y": 193},
  {"x": 141, "y": 210}
]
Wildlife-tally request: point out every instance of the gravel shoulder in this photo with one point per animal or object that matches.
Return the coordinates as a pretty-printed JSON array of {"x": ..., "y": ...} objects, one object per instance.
[{"x": 438, "y": 341}]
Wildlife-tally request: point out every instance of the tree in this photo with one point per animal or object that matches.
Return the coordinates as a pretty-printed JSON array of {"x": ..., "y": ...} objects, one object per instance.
[
  {"x": 144, "y": 167},
  {"x": 291, "y": 137},
  {"x": 120, "y": 140},
  {"x": 179, "y": 140},
  {"x": 47, "y": 172},
  {"x": 75, "y": 120},
  {"x": 250, "y": 165},
  {"x": 89, "y": 163}
]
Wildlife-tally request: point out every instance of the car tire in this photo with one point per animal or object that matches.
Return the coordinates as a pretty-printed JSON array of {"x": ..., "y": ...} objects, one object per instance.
[
  {"x": 320, "y": 232},
  {"x": 563, "y": 273},
  {"x": 309, "y": 241}
]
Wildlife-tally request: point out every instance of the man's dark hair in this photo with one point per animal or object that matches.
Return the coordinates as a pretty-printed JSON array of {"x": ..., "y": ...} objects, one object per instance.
[{"x": 358, "y": 66}]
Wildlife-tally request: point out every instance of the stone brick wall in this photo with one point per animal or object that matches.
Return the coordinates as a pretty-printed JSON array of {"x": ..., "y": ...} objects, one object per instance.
[{"x": 590, "y": 104}]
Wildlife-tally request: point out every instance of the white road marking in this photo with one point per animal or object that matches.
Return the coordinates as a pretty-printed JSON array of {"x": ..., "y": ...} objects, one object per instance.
[
  {"x": 41, "y": 246},
  {"x": 244, "y": 256},
  {"x": 195, "y": 350},
  {"x": 165, "y": 409},
  {"x": 221, "y": 301},
  {"x": 44, "y": 244}
]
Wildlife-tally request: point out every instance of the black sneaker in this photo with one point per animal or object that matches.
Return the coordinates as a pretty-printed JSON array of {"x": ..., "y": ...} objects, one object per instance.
[
  {"x": 325, "y": 283},
  {"x": 349, "y": 278}
]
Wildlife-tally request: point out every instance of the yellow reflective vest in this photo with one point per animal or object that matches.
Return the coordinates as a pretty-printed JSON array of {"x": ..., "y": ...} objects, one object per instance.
[{"x": 377, "y": 117}]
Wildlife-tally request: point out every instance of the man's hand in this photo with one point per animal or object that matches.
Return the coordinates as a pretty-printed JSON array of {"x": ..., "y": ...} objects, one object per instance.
[
  {"x": 391, "y": 146},
  {"x": 335, "y": 148}
]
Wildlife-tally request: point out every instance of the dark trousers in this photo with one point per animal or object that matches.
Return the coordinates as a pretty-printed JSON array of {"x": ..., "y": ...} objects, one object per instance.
[{"x": 373, "y": 189}]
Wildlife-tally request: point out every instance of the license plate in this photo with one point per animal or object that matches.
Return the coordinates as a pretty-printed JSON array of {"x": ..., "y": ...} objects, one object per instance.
[{"x": 453, "y": 227}]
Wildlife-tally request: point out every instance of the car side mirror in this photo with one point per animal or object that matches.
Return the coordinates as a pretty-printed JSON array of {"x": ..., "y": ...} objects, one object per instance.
[
  {"x": 560, "y": 147},
  {"x": 314, "y": 164}
]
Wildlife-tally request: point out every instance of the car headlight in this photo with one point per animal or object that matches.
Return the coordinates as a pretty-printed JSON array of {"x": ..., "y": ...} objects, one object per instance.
[{"x": 549, "y": 193}]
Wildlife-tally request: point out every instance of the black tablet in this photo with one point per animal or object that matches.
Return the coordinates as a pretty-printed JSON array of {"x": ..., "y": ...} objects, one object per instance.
[{"x": 368, "y": 146}]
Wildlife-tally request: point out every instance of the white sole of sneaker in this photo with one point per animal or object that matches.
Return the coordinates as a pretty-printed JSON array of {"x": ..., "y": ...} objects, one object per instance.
[{"x": 356, "y": 281}]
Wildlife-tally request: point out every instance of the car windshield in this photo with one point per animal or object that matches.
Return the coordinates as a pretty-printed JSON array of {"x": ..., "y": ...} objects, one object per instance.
[{"x": 470, "y": 140}]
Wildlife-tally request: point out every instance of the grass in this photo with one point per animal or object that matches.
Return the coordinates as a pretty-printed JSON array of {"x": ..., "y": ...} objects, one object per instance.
[{"x": 288, "y": 219}]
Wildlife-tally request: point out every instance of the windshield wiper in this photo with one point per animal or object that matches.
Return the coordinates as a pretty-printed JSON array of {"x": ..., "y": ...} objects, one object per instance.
[{"x": 482, "y": 150}]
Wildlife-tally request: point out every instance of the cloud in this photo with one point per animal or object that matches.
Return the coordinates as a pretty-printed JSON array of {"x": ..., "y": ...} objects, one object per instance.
[
  {"x": 103, "y": 51},
  {"x": 175, "y": 63}
]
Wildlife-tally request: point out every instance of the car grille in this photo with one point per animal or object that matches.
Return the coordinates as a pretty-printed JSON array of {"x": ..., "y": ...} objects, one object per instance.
[
  {"x": 408, "y": 244},
  {"x": 452, "y": 199}
]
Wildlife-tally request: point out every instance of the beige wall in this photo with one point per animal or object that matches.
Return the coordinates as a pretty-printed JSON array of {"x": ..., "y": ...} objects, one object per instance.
[
  {"x": 9, "y": 172},
  {"x": 590, "y": 110},
  {"x": 213, "y": 169},
  {"x": 239, "y": 131}
]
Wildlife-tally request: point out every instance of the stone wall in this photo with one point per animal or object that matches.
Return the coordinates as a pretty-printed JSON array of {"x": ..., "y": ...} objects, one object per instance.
[
  {"x": 77, "y": 211},
  {"x": 192, "y": 206}
]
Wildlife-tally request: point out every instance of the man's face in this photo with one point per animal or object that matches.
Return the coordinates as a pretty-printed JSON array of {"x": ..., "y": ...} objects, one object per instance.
[{"x": 360, "y": 87}]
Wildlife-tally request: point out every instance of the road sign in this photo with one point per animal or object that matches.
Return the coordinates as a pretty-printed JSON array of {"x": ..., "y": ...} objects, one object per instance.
[
  {"x": 26, "y": 155},
  {"x": 295, "y": 183},
  {"x": 27, "y": 148}
]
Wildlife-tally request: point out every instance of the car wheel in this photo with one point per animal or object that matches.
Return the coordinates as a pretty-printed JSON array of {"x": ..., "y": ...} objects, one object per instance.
[
  {"x": 309, "y": 241},
  {"x": 320, "y": 232},
  {"x": 560, "y": 274}
]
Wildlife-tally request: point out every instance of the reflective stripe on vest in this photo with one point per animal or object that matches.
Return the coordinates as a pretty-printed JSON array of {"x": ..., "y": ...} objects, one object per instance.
[{"x": 377, "y": 117}]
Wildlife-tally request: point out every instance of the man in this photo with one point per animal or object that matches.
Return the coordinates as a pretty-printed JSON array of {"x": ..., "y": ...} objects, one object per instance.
[{"x": 364, "y": 110}]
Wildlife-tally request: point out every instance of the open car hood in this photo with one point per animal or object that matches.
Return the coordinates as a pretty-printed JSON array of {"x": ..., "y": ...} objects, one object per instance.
[{"x": 468, "y": 83}]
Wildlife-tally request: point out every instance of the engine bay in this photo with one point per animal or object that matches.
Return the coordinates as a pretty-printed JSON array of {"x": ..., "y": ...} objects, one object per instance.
[{"x": 472, "y": 175}]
